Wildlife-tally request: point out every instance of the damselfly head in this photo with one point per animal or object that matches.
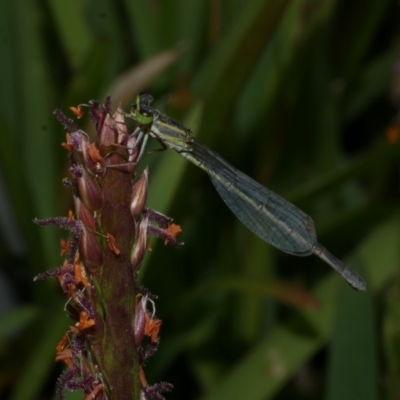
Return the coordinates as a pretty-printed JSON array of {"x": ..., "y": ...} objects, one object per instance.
[
  {"x": 141, "y": 110},
  {"x": 144, "y": 99}
]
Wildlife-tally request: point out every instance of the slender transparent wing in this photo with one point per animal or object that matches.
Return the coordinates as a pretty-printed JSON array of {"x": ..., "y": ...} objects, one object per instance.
[{"x": 267, "y": 215}]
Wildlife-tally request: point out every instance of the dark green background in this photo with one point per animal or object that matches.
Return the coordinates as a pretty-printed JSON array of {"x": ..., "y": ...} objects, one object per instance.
[{"x": 297, "y": 94}]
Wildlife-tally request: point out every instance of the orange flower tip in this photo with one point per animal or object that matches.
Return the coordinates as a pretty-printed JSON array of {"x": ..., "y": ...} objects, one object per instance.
[
  {"x": 93, "y": 153},
  {"x": 152, "y": 328},
  {"x": 92, "y": 158},
  {"x": 62, "y": 343},
  {"x": 77, "y": 111},
  {"x": 80, "y": 273},
  {"x": 112, "y": 244},
  {"x": 84, "y": 321},
  {"x": 67, "y": 146},
  {"x": 64, "y": 247},
  {"x": 173, "y": 230},
  {"x": 70, "y": 215}
]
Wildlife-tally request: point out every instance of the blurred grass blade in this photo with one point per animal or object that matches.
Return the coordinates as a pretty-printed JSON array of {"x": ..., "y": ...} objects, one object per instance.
[
  {"x": 376, "y": 158},
  {"x": 143, "y": 22},
  {"x": 15, "y": 181},
  {"x": 257, "y": 21},
  {"x": 76, "y": 41},
  {"x": 257, "y": 103},
  {"x": 16, "y": 320},
  {"x": 278, "y": 290},
  {"x": 372, "y": 82},
  {"x": 35, "y": 161},
  {"x": 354, "y": 43},
  {"x": 41, "y": 360},
  {"x": 105, "y": 22},
  {"x": 391, "y": 340},
  {"x": 189, "y": 23},
  {"x": 381, "y": 254},
  {"x": 248, "y": 35},
  {"x": 353, "y": 362},
  {"x": 269, "y": 365},
  {"x": 264, "y": 371}
]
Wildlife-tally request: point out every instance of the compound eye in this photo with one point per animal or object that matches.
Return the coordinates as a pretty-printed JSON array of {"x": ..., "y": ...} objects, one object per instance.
[{"x": 146, "y": 98}]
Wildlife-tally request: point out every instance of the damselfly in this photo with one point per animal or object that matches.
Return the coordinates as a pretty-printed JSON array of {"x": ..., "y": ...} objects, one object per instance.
[{"x": 267, "y": 215}]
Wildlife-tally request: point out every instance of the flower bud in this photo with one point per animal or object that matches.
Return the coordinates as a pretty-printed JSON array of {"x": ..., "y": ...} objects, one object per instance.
[
  {"x": 140, "y": 246},
  {"x": 84, "y": 215},
  {"x": 119, "y": 119},
  {"x": 139, "y": 195},
  {"x": 92, "y": 159},
  {"x": 90, "y": 250},
  {"x": 90, "y": 191},
  {"x": 139, "y": 321},
  {"x": 107, "y": 135}
]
